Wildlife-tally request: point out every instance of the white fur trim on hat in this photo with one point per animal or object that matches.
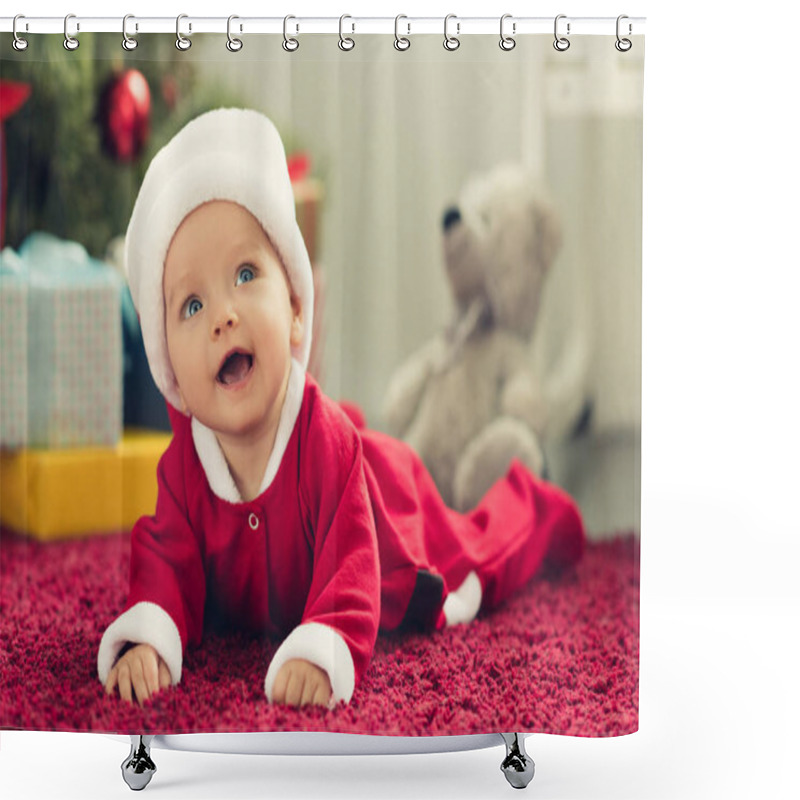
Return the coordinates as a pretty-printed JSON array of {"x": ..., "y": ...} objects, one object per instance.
[{"x": 226, "y": 154}]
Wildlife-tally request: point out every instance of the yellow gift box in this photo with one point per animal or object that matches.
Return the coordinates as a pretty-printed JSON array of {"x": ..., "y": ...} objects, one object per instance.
[{"x": 57, "y": 494}]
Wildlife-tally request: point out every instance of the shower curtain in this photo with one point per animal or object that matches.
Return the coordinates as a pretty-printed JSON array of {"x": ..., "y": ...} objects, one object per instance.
[{"x": 472, "y": 220}]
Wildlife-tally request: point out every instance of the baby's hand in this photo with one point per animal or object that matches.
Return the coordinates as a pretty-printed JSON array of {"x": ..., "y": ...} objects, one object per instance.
[
  {"x": 300, "y": 683},
  {"x": 141, "y": 670}
]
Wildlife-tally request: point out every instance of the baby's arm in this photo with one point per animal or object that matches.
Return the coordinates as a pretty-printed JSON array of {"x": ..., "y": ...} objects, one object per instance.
[
  {"x": 301, "y": 683},
  {"x": 140, "y": 671},
  {"x": 167, "y": 579}
]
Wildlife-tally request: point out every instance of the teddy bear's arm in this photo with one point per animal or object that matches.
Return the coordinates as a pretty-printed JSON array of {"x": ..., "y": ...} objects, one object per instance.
[
  {"x": 488, "y": 455},
  {"x": 407, "y": 387},
  {"x": 522, "y": 399}
]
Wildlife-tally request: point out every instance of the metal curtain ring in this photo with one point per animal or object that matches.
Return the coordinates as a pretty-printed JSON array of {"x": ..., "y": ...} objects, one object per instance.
[
  {"x": 451, "y": 42},
  {"x": 345, "y": 42},
  {"x": 623, "y": 45},
  {"x": 561, "y": 43},
  {"x": 233, "y": 44},
  {"x": 20, "y": 44},
  {"x": 289, "y": 44},
  {"x": 70, "y": 42},
  {"x": 182, "y": 43},
  {"x": 128, "y": 43},
  {"x": 507, "y": 42},
  {"x": 401, "y": 42}
]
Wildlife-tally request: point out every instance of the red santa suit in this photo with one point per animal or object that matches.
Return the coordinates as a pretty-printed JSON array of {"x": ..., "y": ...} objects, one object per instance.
[{"x": 348, "y": 535}]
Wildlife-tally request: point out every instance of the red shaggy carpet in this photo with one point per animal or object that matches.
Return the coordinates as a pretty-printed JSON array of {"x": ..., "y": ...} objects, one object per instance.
[{"x": 560, "y": 657}]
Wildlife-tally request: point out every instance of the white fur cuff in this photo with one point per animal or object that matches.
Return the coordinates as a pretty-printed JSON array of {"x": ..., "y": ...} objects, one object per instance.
[
  {"x": 144, "y": 623},
  {"x": 324, "y": 648}
]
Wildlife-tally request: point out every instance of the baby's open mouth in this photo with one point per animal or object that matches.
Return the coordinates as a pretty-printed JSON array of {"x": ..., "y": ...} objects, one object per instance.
[{"x": 235, "y": 368}]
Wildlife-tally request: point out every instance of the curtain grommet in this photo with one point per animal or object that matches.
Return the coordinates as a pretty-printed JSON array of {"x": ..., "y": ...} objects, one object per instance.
[
  {"x": 451, "y": 43},
  {"x": 401, "y": 43},
  {"x": 128, "y": 42},
  {"x": 623, "y": 44},
  {"x": 70, "y": 42},
  {"x": 290, "y": 44},
  {"x": 233, "y": 44},
  {"x": 561, "y": 43},
  {"x": 19, "y": 44},
  {"x": 346, "y": 43},
  {"x": 507, "y": 42},
  {"x": 182, "y": 43}
]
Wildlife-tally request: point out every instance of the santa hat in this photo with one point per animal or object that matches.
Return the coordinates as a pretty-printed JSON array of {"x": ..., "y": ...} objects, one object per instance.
[{"x": 226, "y": 154}]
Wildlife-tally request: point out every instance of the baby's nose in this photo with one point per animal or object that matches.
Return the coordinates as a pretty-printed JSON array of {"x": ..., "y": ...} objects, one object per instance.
[{"x": 225, "y": 321}]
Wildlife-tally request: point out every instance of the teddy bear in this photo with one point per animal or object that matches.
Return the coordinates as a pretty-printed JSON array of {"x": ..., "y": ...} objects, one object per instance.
[{"x": 467, "y": 400}]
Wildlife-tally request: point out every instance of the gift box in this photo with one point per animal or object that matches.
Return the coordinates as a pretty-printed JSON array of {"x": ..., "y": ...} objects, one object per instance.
[
  {"x": 72, "y": 377},
  {"x": 13, "y": 350},
  {"x": 57, "y": 494}
]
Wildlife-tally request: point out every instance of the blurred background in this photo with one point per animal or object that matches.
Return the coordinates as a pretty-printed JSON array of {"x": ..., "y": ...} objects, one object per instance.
[{"x": 380, "y": 143}]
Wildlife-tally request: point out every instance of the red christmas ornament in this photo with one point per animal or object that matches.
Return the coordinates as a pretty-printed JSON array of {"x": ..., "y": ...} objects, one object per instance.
[
  {"x": 12, "y": 96},
  {"x": 124, "y": 115}
]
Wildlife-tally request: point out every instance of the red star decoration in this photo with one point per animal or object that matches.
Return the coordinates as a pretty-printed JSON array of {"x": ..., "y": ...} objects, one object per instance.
[{"x": 12, "y": 96}]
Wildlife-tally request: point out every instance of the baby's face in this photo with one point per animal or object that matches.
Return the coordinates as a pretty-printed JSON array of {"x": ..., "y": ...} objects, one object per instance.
[{"x": 231, "y": 320}]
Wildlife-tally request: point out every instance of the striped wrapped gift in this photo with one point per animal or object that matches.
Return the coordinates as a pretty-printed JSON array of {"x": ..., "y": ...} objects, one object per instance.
[
  {"x": 74, "y": 365},
  {"x": 13, "y": 351}
]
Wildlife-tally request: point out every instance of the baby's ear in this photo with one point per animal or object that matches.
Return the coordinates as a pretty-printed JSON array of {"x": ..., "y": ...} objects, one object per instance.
[{"x": 296, "y": 334}]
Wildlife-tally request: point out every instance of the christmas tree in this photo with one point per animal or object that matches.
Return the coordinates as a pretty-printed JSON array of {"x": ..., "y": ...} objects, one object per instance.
[{"x": 77, "y": 150}]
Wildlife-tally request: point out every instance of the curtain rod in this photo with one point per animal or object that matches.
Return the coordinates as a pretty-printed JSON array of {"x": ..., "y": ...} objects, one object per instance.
[{"x": 404, "y": 26}]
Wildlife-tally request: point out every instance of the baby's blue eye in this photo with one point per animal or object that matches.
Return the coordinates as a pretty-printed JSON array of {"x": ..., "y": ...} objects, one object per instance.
[
  {"x": 245, "y": 275},
  {"x": 192, "y": 307}
]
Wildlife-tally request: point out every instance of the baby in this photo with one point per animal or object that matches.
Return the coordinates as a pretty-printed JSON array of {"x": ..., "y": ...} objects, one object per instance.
[{"x": 277, "y": 511}]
